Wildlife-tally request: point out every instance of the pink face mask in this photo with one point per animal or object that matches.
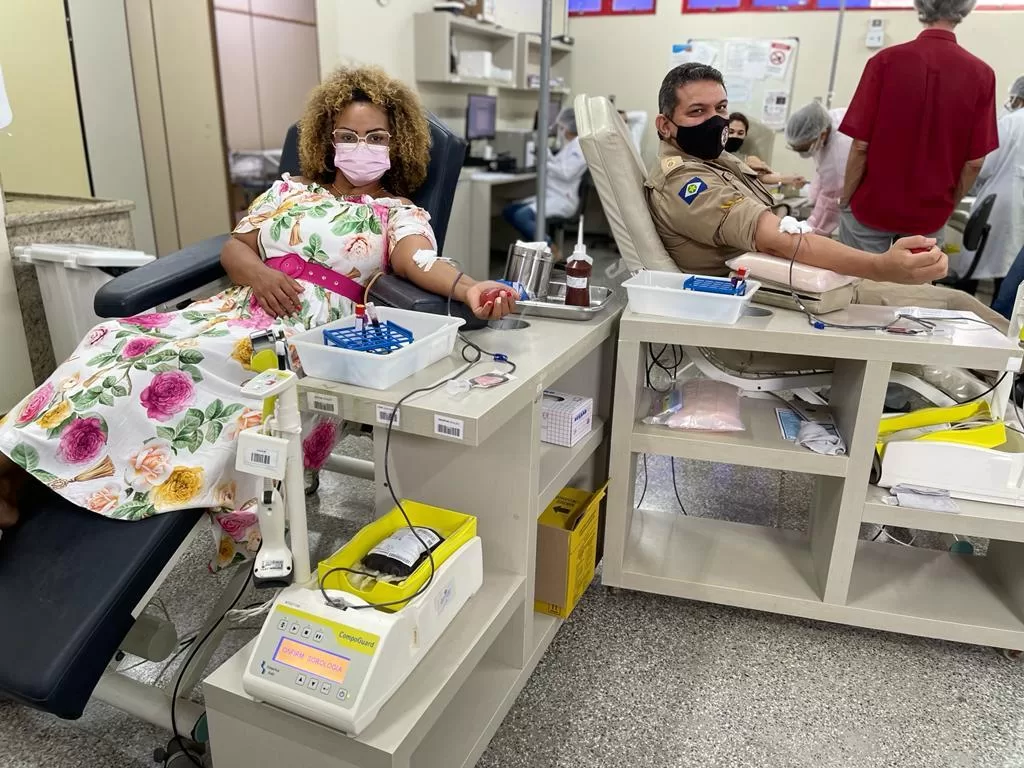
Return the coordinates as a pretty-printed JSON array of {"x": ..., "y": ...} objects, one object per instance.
[{"x": 361, "y": 164}]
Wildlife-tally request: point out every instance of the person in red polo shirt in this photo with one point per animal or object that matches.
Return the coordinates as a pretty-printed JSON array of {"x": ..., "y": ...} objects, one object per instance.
[{"x": 922, "y": 120}]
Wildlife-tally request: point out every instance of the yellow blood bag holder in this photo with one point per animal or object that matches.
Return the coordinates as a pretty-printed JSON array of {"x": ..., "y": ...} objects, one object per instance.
[{"x": 454, "y": 527}]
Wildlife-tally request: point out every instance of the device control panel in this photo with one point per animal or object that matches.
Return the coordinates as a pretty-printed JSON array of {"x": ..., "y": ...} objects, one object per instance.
[{"x": 324, "y": 659}]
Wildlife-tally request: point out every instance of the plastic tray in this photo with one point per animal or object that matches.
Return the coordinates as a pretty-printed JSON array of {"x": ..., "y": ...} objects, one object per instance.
[
  {"x": 433, "y": 339},
  {"x": 662, "y": 293},
  {"x": 454, "y": 527}
]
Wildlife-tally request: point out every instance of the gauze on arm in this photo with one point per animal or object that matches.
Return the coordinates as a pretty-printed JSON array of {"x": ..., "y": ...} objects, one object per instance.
[{"x": 791, "y": 226}]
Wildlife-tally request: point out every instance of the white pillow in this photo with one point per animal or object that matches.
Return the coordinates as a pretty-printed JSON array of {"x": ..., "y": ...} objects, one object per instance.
[{"x": 806, "y": 278}]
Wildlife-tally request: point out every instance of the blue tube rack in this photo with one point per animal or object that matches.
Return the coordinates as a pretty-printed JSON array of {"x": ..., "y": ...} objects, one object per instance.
[
  {"x": 720, "y": 285},
  {"x": 377, "y": 341}
]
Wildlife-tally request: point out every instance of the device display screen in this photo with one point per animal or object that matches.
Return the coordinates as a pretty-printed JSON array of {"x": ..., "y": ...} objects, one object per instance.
[{"x": 315, "y": 661}]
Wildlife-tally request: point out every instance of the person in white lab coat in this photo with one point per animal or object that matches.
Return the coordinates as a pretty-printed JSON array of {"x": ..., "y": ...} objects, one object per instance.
[
  {"x": 1002, "y": 174},
  {"x": 564, "y": 173},
  {"x": 813, "y": 132}
]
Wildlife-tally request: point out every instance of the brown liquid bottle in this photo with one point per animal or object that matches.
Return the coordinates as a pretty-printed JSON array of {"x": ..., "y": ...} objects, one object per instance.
[{"x": 577, "y": 275}]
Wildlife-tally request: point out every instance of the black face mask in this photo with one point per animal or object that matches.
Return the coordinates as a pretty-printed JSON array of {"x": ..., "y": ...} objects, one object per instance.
[
  {"x": 733, "y": 144},
  {"x": 705, "y": 140}
]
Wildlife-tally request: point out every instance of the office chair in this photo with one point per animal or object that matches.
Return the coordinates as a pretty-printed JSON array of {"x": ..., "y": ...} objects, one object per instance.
[
  {"x": 557, "y": 225},
  {"x": 191, "y": 268},
  {"x": 975, "y": 236}
]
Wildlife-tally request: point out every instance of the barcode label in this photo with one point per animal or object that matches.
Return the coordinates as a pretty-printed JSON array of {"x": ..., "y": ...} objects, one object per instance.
[
  {"x": 323, "y": 403},
  {"x": 448, "y": 427},
  {"x": 261, "y": 457},
  {"x": 384, "y": 416}
]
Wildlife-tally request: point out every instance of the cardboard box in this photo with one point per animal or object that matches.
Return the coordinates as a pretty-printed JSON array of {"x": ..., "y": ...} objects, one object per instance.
[
  {"x": 565, "y": 419},
  {"x": 566, "y": 550}
]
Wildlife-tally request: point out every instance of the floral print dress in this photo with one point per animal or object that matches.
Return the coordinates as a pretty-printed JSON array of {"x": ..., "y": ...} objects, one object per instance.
[{"x": 142, "y": 418}]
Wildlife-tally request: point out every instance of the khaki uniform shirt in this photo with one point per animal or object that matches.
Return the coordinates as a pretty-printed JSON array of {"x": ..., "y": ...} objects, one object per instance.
[{"x": 705, "y": 211}]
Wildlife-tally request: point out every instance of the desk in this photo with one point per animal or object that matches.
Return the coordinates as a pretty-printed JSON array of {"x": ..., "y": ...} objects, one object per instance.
[
  {"x": 448, "y": 709},
  {"x": 831, "y": 574},
  {"x": 490, "y": 193}
]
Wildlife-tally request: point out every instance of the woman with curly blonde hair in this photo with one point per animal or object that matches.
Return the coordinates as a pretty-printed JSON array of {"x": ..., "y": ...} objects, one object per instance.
[{"x": 143, "y": 417}]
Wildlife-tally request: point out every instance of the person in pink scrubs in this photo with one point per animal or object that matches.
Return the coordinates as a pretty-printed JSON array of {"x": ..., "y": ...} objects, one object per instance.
[{"x": 813, "y": 132}]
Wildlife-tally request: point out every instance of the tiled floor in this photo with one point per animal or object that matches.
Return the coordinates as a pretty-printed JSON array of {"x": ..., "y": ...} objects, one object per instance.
[{"x": 654, "y": 682}]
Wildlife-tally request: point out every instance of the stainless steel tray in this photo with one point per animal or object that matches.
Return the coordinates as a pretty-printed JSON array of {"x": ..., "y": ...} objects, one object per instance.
[{"x": 554, "y": 305}]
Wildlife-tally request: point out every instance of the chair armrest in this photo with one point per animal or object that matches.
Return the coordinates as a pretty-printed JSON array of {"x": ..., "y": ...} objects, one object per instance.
[{"x": 161, "y": 280}]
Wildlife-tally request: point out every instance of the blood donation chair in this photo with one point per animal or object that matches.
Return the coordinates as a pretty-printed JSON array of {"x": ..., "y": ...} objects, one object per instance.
[
  {"x": 73, "y": 584},
  {"x": 619, "y": 174}
]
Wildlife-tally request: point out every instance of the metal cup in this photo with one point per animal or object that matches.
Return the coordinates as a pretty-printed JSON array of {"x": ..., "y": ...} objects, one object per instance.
[{"x": 530, "y": 267}]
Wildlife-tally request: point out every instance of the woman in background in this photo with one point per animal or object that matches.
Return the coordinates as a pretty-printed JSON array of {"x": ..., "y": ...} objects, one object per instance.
[
  {"x": 739, "y": 127},
  {"x": 142, "y": 419},
  {"x": 813, "y": 132},
  {"x": 564, "y": 174}
]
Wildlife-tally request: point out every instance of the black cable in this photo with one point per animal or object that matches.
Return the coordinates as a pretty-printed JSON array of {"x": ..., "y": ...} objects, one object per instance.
[
  {"x": 644, "y": 491},
  {"x": 192, "y": 654},
  {"x": 675, "y": 487},
  {"x": 988, "y": 391},
  {"x": 881, "y": 530},
  {"x": 391, "y": 488}
]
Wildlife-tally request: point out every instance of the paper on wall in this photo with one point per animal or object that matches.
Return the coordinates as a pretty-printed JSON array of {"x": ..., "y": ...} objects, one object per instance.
[
  {"x": 779, "y": 54},
  {"x": 684, "y": 53},
  {"x": 739, "y": 89},
  {"x": 775, "y": 109},
  {"x": 746, "y": 58},
  {"x": 6, "y": 116}
]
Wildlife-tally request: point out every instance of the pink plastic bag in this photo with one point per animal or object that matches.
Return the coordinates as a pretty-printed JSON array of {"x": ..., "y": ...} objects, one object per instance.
[{"x": 709, "y": 406}]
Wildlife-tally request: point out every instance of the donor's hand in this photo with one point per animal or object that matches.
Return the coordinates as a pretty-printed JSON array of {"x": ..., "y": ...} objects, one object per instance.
[
  {"x": 277, "y": 294},
  {"x": 490, "y": 300},
  {"x": 913, "y": 261}
]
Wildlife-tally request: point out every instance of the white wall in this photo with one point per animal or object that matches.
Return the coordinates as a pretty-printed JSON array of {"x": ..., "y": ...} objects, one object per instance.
[
  {"x": 629, "y": 55},
  {"x": 41, "y": 151},
  {"x": 110, "y": 114}
]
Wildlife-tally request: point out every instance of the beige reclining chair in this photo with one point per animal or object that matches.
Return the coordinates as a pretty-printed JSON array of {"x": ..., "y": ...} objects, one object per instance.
[{"x": 619, "y": 175}]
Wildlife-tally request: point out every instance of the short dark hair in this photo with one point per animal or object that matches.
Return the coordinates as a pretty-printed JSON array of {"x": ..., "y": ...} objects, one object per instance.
[
  {"x": 742, "y": 118},
  {"x": 691, "y": 72}
]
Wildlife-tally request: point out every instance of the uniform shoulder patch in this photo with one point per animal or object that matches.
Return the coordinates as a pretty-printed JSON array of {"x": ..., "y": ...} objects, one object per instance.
[{"x": 691, "y": 189}]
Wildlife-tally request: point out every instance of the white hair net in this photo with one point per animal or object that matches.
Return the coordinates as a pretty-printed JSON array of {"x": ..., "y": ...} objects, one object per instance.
[
  {"x": 1017, "y": 89},
  {"x": 806, "y": 124},
  {"x": 567, "y": 119},
  {"x": 930, "y": 11}
]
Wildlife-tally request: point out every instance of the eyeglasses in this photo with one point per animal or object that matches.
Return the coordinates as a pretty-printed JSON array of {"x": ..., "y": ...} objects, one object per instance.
[{"x": 347, "y": 138}]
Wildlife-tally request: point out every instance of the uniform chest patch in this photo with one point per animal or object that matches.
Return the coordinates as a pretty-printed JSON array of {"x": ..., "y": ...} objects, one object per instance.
[{"x": 691, "y": 189}]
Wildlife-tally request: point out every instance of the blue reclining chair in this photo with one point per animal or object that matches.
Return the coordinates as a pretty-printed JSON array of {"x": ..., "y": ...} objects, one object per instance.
[{"x": 72, "y": 583}]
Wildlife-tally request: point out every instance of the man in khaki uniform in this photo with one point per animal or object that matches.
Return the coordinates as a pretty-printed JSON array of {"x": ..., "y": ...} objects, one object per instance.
[{"x": 708, "y": 207}]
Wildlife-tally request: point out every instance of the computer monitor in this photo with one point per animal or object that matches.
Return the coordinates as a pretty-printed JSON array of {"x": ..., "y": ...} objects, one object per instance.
[
  {"x": 554, "y": 107},
  {"x": 481, "y": 116}
]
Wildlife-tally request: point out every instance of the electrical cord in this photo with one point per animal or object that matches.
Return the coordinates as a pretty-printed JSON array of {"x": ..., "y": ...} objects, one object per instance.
[
  {"x": 643, "y": 493},
  {"x": 675, "y": 487},
  {"x": 192, "y": 654},
  {"x": 470, "y": 363}
]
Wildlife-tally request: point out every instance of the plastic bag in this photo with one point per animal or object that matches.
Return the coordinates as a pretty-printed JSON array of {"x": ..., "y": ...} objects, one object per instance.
[
  {"x": 320, "y": 433},
  {"x": 402, "y": 552},
  {"x": 664, "y": 405},
  {"x": 710, "y": 406}
]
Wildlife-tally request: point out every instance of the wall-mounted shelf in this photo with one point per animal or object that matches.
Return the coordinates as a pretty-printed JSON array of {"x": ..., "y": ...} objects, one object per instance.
[
  {"x": 528, "y": 53},
  {"x": 437, "y": 35}
]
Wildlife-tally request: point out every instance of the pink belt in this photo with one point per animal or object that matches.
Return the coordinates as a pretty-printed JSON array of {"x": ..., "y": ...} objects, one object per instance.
[{"x": 298, "y": 268}]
